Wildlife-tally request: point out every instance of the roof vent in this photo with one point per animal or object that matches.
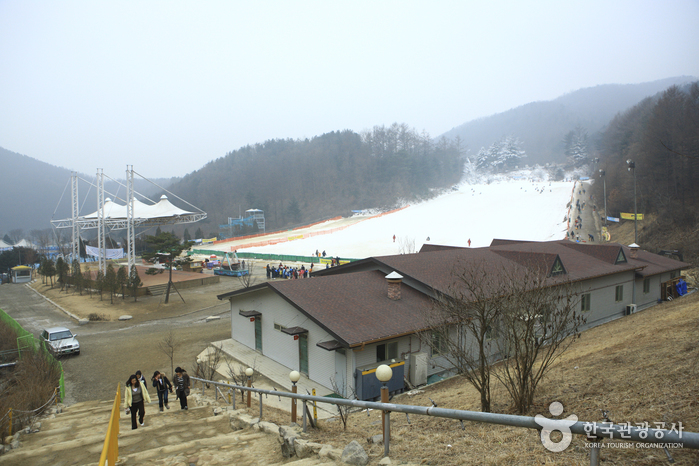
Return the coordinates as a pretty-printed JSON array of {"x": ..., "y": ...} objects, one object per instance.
[
  {"x": 633, "y": 250},
  {"x": 394, "y": 280}
]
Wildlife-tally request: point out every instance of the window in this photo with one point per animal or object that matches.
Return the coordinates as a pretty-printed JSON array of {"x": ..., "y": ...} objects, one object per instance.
[
  {"x": 439, "y": 344},
  {"x": 646, "y": 285},
  {"x": 491, "y": 332},
  {"x": 619, "y": 293},
  {"x": 621, "y": 257},
  {"x": 585, "y": 302},
  {"x": 278, "y": 327},
  {"x": 386, "y": 351}
]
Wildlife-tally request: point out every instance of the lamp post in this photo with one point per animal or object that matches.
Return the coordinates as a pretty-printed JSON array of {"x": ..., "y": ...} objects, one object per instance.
[
  {"x": 604, "y": 183},
  {"x": 294, "y": 376},
  {"x": 632, "y": 169},
  {"x": 249, "y": 373},
  {"x": 384, "y": 374}
]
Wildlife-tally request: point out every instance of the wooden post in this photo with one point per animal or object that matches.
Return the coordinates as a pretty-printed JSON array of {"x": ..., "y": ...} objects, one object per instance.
[
  {"x": 384, "y": 399},
  {"x": 293, "y": 404}
]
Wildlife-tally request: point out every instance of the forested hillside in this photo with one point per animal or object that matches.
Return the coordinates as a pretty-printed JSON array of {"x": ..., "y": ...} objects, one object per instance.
[
  {"x": 543, "y": 126},
  {"x": 34, "y": 192},
  {"x": 661, "y": 137},
  {"x": 300, "y": 181}
]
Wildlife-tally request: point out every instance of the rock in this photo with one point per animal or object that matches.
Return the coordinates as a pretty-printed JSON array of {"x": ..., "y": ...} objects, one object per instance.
[
  {"x": 354, "y": 454},
  {"x": 217, "y": 411},
  {"x": 385, "y": 461},
  {"x": 125, "y": 317},
  {"x": 378, "y": 438},
  {"x": 15, "y": 444},
  {"x": 304, "y": 449},
  {"x": 268, "y": 427},
  {"x": 36, "y": 427},
  {"x": 327, "y": 451},
  {"x": 210, "y": 318}
]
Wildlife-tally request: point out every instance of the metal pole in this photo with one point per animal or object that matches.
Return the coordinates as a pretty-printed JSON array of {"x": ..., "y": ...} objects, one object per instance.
[
  {"x": 260, "y": 406},
  {"x": 387, "y": 434},
  {"x": 595, "y": 453},
  {"x": 304, "y": 415},
  {"x": 293, "y": 404},
  {"x": 604, "y": 182},
  {"x": 249, "y": 385},
  {"x": 384, "y": 399},
  {"x": 233, "y": 398},
  {"x": 635, "y": 211}
]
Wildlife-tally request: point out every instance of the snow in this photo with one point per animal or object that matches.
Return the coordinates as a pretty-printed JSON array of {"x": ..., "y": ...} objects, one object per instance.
[{"x": 506, "y": 209}]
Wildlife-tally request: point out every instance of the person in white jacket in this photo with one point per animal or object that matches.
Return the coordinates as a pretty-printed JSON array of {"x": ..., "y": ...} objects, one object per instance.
[{"x": 135, "y": 396}]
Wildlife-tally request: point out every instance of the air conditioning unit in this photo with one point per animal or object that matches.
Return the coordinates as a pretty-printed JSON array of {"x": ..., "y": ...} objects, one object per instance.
[
  {"x": 418, "y": 368},
  {"x": 630, "y": 309}
]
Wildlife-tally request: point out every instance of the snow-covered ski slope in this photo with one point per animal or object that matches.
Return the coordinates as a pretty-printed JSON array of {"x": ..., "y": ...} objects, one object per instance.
[{"x": 506, "y": 209}]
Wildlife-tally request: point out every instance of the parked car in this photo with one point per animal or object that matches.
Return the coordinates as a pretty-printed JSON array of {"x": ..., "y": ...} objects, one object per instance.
[{"x": 61, "y": 340}]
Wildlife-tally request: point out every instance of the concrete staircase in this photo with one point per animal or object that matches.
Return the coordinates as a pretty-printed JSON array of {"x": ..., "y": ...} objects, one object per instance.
[
  {"x": 158, "y": 290},
  {"x": 196, "y": 436}
]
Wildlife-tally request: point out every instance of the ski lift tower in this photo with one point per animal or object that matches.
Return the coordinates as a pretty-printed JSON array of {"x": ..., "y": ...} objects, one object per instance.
[{"x": 258, "y": 216}]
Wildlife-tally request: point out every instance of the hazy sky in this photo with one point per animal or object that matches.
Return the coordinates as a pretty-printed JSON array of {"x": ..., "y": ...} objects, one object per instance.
[{"x": 168, "y": 86}]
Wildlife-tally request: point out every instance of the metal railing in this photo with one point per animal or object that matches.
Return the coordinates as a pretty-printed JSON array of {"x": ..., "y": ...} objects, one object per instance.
[
  {"x": 609, "y": 429},
  {"x": 110, "y": 450}
]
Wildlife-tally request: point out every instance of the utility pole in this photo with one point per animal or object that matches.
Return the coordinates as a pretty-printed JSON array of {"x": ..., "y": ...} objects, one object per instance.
[{"x": 632, "y": 169}]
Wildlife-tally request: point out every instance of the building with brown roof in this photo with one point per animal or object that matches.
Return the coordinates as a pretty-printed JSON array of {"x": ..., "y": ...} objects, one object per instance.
[{"x": 345, "y": 321}]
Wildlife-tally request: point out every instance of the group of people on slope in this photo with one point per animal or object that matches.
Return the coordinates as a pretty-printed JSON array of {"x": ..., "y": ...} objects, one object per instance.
[
  {"x": 136, "y": 394},
  {"x": 283, "y": 271}
]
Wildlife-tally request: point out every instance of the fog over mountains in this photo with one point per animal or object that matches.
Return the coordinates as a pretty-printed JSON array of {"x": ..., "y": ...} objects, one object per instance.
[
  {"x": 541, "y": 126},
  {"x": 31, "y": 190}
]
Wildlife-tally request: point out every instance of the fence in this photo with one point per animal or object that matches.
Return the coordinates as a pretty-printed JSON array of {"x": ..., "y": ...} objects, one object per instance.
[
  {"x": 613, "y": 431},
  {"x": 19, "y": 417},
  {"x": 27, "y": 342},
  {"x": 110, "y": 450}
]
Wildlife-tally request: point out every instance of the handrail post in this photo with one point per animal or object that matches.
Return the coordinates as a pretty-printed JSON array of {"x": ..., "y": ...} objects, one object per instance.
[
  {"x": 304, "y": 415},
  {"x": 595, "y": 452},
  {"x": 387, "y": 434},
  {"x": 260, "y": 406},
  {"x": 249, "y": 385},
  {"x": 293, "y": 404}
]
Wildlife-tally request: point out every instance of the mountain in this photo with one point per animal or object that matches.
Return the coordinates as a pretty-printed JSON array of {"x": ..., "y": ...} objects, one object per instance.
[
  {"x": 542, "y": 126},
  {"x": 35, "y": 192}
]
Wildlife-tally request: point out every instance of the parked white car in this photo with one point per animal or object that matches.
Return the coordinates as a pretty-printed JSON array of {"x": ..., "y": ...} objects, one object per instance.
[{"x": 61, "y": 340}]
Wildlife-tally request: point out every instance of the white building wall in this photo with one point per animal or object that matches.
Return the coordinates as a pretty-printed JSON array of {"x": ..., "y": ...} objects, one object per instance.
[{"x": 280, "y": 346}]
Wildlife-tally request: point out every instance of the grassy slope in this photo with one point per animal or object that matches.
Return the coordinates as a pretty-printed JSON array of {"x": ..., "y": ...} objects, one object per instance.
[{"x": 639, "y": 368}]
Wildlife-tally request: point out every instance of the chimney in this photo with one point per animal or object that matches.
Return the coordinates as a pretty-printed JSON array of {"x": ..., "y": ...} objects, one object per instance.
[
  {"x": 633, "y": 250},
  {"x": 394, "y": 280}
]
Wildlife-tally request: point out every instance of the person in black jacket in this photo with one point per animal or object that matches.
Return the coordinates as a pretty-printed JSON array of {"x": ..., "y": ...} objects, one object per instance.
[
  {"x": 162, "y": 386},
  {"x": 181, "y": 380}
]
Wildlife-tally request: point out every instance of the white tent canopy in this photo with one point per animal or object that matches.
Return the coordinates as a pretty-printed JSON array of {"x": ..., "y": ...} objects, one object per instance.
[{"x": 163, "y": 208}]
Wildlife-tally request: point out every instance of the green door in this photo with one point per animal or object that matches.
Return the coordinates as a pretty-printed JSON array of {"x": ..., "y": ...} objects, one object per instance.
[
  {"x": 258, "y": 333},
  {"x": 303, "y": 353}
]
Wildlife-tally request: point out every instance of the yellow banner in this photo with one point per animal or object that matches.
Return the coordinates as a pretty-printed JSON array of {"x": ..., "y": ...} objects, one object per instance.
[
  {"x": 292, "y": 238},
  {"x": 210, "y": 240},
  {"x": 626, "y": 216}
]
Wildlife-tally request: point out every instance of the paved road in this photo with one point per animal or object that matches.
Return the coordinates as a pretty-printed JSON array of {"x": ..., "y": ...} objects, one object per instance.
[{"x": 111, "y": 351}]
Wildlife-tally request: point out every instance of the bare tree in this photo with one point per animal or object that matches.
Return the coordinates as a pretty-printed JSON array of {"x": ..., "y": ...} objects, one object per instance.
[
  {"x": 343, "y": 411},
  {"x": 462, "y": 321},
  {"x": 236, "y": 372},
  {"x": 168, "y": 345},
  {"x": 406, "y": 245},
  {"x": 538, "y": 321},
  {"x": 206, "y": 367},
  {"x": 247, "y": 280}
]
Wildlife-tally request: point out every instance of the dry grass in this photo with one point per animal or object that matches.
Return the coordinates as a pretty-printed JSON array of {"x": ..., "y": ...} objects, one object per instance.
[{"x": 639, "y": 368}]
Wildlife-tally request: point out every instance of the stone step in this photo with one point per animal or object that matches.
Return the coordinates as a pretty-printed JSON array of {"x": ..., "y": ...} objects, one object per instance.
[
  {"x": 157, "y": 290},
  {"x": 47, "y": 446}
]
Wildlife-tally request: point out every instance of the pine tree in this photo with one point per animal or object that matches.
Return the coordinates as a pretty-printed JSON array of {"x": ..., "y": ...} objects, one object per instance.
[
  {"x": 134, "y": 281},
  {"x": 110, "y": 282},
  {"x": 99, "y": 283},
  {"x": 122, "y": 278},
  {"x": 76, "y": 276}
]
